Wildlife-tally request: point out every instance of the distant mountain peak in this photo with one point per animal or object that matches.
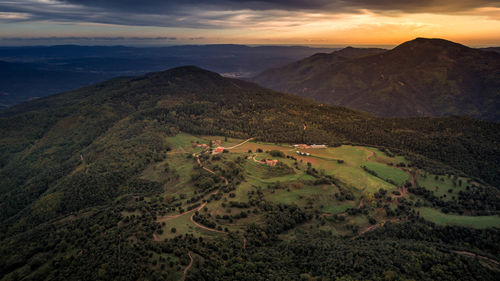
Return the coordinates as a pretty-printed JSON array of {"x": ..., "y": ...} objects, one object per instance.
[
  {"x": 428, "y": 43},
  {"x": 352, "y": 52},
  {"x": 424, "y": 76},
  {"x": 185, "y": 71}
]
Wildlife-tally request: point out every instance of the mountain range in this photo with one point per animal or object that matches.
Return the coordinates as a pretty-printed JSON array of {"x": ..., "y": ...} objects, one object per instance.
[
  {"x": 34, "y": 72},
  {"x": 422, "y": 77}
]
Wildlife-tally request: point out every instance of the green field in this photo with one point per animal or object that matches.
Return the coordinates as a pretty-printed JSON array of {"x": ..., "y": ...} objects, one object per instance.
[
  {"x": 388, "y": 173},
  {"x": 442, "y": 185},
  {"x": 305, "y": 195},
  {"x": 182, "y": 225},
  {"x": 468, "y": 221},
  {"x": 338, "y": 208},
  {"x": 296, "y": 184},
  {"x": 183, "y": 142},
  {"x": 326, "y": 160}
]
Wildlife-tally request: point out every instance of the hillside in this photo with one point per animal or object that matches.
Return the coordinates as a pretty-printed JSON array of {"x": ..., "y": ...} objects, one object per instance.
[
  {"x": 422, "y": 77},
  {"x": 33, "y": 72},
  {"x": 119, "y": 181}
]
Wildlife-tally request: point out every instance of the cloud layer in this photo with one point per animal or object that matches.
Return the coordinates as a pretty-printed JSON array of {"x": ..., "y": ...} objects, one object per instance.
[
  {"x": 214, "y": 13},
  {"x": 267, "y": 19}
]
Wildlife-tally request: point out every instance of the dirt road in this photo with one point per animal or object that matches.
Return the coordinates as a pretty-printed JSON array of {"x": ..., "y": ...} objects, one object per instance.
[
  {"x": 402, "y": 192},
  {"x": 155, "y": 237},
  {"x": 210, "y": 171},
  {"x": 188, "y": 266},
  {"x": 204, "y": 227},
  {"x": 241, "y": 143},
  {"x": 370, "y": 153},
  {"x": 473, "y": 255}
]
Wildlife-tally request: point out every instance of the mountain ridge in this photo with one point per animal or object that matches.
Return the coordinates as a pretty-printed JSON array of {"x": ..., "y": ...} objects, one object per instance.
[{"x": 422, "y": 77}]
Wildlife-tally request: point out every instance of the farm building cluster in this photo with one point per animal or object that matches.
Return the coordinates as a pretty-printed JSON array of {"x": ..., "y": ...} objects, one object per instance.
[
  {"x": 307, "y": 146},
  {"x": 212, "y": 143},
  {"x": 218, "y": 149},
  {"x": 269, "y": 162}
]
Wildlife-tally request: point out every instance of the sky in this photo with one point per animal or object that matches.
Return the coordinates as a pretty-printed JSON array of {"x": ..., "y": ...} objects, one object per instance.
[{"x": 264, "y": 22}]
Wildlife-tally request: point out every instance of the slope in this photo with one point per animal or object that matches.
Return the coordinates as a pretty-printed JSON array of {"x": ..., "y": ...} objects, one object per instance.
[
  {"x": 101, "y": 183},
  {"x": 422, "y": 77}
]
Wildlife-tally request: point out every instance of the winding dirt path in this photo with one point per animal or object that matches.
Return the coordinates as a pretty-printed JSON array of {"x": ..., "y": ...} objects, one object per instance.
[
  {"x": 375, "y": 226},
  {"x": 205, "y": 227},
  {"x": 370, "y": 153},
  {"x": 473, "y": 255},
  {"x": 155, "y": 237},
  {"x": 402, "y": 192},
  {"x": 210, "y": 171},
  {"x": 360, "y": 203},
  {"x": 188, "y": 266},
  {"x": 369, "y": 228}
]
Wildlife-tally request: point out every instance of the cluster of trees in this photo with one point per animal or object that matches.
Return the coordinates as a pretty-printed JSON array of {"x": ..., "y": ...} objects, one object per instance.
[{"x": 477, "y": 200}]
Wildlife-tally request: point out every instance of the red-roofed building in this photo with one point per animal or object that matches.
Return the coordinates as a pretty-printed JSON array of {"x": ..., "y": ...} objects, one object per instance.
[{"x": 219, "y": 149}]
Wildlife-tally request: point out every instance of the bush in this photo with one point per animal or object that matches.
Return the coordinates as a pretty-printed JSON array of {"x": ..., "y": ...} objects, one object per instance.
[{"x": 277, "y": 153}]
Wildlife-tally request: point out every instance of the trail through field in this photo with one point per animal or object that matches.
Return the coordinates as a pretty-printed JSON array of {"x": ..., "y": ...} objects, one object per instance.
[
  {"x": 255, "y": 160},
  {"x": 155, "y": 237},
  {"x": 241, "y": 143},
  {"x": 370, "y": 153},
  {"x": 360, "y": 203},
  {"x": 374, "y": 226},
  {"x": 204, "y": 204},
  {"x": 369, "y": 228},
  {"x": 404, "y": 190},
  {"x": 188, "y": 266},
  {"x": 167, "y": 218},
  {"x": 210, "y": 171},
  {"x": 205, "y": 227}
]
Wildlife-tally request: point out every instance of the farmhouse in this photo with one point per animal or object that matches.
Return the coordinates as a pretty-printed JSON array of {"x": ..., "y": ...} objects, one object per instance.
[
  {"x": 202, "y": 145},
  {"x": 215, "y": 142},
  {"x": 269, "y": 162},
  {"x": 218, "y": 149},
  {"x": 301, "y": 146},
  {"x": 319, "y": 146},
  {"x": 307, "y": 146}
]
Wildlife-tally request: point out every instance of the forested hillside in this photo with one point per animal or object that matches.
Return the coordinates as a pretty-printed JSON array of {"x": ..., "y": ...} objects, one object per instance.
[
  {"x": 106, "y": 176},
  {"x": 422, "y": 77},
  {"x": 33, "y": 72}
]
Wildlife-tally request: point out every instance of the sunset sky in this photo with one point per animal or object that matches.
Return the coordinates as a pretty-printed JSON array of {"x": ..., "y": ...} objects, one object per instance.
[{"x": 304, "y": 22}]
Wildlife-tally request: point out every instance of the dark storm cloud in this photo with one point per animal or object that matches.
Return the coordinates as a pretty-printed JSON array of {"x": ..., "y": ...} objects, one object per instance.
[
  {"x": 210, "y": 13},
  {"x": 311, "y": 5}
]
